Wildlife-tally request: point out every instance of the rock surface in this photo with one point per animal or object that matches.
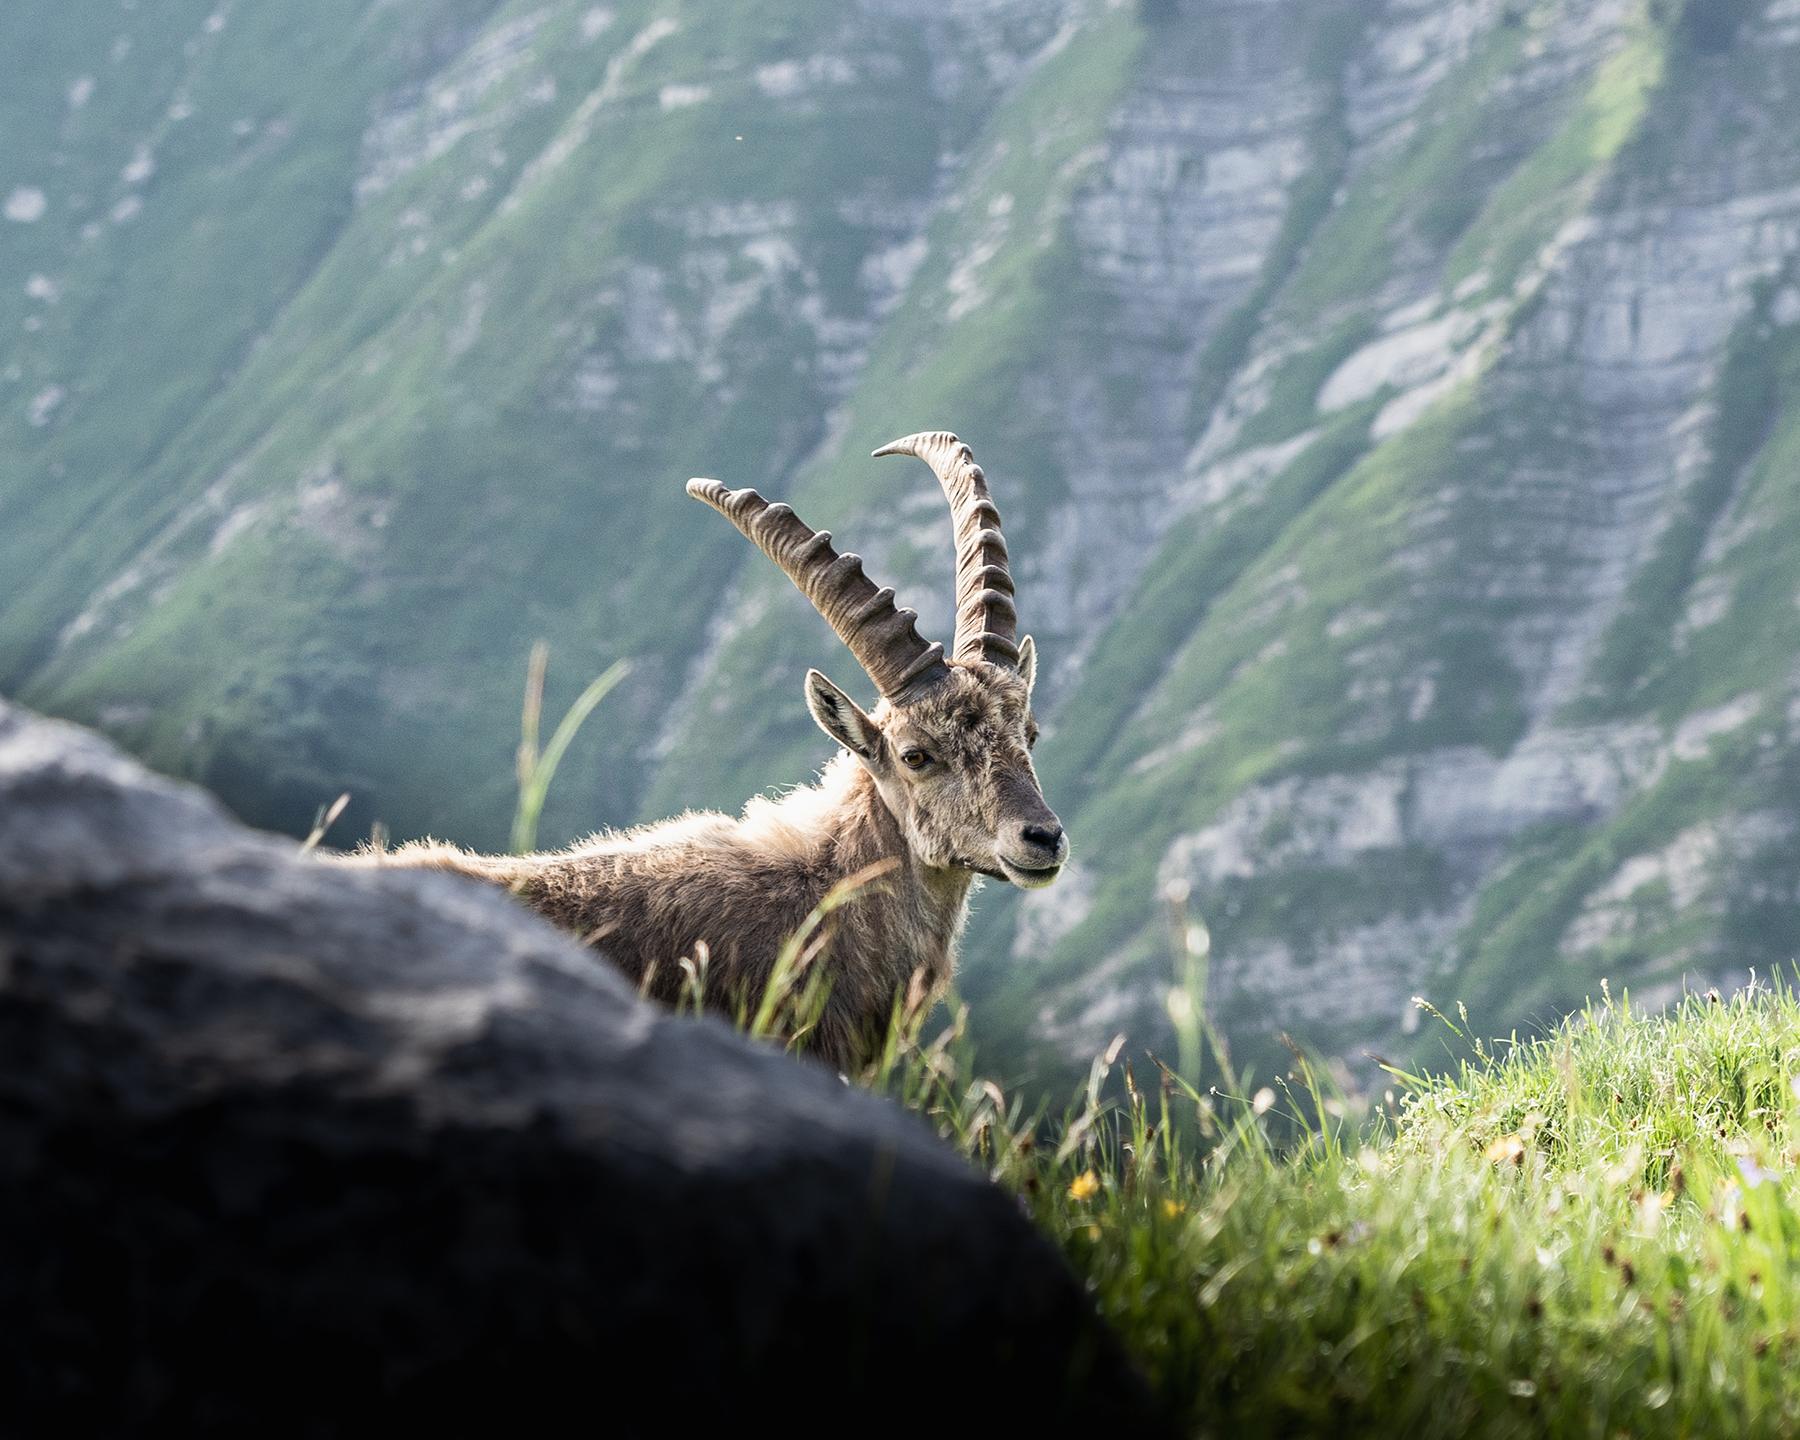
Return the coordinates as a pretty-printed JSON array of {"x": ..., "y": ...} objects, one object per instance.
[{"x": 298, "y": 1150}]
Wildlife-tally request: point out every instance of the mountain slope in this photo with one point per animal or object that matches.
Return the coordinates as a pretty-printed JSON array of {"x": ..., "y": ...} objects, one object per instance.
[{"x": 1392, "y": 408}]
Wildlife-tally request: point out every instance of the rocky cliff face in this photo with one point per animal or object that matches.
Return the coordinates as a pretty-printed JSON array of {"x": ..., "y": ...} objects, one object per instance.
[{"x": 1389, "y": 404}]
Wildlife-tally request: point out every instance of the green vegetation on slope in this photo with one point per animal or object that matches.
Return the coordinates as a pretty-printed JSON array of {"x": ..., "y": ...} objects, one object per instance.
[
  {"x": 358, "y": 347},
  {"x": 1591, "y": 1235},
  {"x": 317, "y": 559},
  {"x": 1374, "y": 629}
]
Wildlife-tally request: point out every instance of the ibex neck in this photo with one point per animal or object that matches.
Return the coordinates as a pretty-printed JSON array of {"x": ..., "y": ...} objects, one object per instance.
[
  {"x": 872, "y": 834},
  {"x": 929, "y": 900}
]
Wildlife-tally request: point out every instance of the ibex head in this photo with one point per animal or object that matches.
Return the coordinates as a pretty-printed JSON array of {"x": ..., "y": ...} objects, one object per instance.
[{"x": 949, "y": 745}]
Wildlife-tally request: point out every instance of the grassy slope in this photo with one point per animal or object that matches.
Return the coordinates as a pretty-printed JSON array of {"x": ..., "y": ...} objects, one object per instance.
[{"x": 1595, "y": 1234}]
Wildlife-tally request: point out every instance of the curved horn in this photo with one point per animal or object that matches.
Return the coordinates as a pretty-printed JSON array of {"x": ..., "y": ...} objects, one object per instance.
[
  {"x": 986, "y": 620},
  {"x": 882, "y": 638}
]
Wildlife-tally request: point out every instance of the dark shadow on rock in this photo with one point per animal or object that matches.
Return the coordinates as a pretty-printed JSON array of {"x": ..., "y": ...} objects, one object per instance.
[{"x": 299, "y": 1150}]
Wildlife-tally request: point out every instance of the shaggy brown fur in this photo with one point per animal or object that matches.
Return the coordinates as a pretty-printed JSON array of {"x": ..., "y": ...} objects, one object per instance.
[
  {"x": 936, "y": 787},
  {"x": 740, "y": 887}
]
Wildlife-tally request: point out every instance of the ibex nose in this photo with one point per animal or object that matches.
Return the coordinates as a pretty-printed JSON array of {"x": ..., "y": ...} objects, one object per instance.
[{"x": 1048, "y": 838}]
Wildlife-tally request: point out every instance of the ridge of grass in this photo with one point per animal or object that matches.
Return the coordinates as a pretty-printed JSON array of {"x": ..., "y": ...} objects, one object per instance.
[{"x": 1596, "y": 1233}]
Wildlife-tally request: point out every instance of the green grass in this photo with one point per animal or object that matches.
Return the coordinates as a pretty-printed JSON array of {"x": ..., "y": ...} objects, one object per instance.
[
  {"x": 1593, "y": 1234},
  {"x": 1523, "y": 212},
  {"x": 1411, "y": 189}
]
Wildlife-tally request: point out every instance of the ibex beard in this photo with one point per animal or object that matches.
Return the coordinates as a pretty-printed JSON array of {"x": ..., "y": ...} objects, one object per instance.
[{"x": 933, "y": 787}]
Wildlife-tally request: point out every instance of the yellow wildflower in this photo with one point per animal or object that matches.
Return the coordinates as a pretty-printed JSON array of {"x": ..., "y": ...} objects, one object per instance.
[{"x": 1507, "y": 1147}]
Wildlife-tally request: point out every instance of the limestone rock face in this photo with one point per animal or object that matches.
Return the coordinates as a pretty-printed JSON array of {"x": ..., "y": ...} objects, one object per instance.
[{"x": 303, "y": 1150}]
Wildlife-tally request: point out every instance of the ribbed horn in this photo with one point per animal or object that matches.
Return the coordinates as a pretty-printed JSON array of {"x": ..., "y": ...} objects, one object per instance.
[
  {"x": 882, "y": 638},
  {"x": 986, "y": 620}
]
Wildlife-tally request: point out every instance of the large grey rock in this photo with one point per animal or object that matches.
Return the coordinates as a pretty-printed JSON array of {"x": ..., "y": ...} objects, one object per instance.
[{"x": 310, "y": 1150}]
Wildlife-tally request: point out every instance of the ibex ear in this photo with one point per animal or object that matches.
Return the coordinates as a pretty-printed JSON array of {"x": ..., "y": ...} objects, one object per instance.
[
  {"x": 841, "y": 718},
  {"x": 1028, "y": 664}
]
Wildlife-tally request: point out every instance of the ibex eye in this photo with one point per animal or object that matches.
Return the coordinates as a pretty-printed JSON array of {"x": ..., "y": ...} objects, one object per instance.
[{"x": 914, "y": 759}]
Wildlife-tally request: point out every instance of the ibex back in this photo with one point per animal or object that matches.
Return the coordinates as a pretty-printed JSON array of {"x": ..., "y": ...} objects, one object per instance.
[{"x": 934, "y": 786}]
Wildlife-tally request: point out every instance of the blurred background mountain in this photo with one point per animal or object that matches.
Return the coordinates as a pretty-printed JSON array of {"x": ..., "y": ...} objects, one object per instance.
[{"x": 1392, "y": 404}]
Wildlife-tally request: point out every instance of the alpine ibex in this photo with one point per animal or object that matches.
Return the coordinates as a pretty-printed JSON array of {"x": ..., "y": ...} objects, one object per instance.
[{"x": 936, "y": 782}]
